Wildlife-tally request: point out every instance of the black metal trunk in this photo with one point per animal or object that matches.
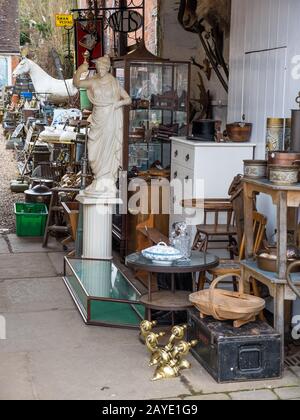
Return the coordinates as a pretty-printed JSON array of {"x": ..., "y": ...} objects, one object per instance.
[{"x": 250, "y": 353}]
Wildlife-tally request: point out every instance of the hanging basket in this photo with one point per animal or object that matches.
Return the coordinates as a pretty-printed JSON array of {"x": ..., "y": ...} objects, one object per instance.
[{"x": 224, "y": 305}]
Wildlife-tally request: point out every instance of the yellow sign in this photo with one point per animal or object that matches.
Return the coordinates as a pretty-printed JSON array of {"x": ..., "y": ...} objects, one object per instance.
[{"x": 64, "y": 20}]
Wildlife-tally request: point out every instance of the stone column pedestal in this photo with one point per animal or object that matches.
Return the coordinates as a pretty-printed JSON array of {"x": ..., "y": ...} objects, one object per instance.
[{"x": 97, "y": 225}]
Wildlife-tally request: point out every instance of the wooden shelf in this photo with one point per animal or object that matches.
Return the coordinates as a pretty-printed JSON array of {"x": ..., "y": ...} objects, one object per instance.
[{"x": 168, "y": 301}]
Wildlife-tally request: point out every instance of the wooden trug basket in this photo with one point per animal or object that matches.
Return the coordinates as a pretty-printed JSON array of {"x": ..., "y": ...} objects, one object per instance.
[{"x": 224, "y": 305}]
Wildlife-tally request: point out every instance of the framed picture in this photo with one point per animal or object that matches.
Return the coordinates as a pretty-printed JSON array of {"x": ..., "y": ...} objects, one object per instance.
[{"x": 88, "y": 37}]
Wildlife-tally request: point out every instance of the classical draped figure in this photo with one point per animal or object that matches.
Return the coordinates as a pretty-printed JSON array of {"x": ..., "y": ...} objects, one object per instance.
[{"x": 106, "y": 132}]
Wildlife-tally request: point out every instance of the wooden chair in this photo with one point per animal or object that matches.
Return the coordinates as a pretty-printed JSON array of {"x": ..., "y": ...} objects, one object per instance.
[
  {"x": 223, "y": 227},
  {"x": 233, "y": 267}
]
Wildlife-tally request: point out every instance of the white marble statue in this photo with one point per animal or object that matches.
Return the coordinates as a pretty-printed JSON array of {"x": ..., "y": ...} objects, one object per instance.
[
  {"x": 46, "y": 87},
  {"x": 106, "y": 132}
]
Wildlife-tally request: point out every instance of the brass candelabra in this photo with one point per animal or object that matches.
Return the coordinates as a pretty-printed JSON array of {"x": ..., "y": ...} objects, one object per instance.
[{"x": 169, "y": 360}]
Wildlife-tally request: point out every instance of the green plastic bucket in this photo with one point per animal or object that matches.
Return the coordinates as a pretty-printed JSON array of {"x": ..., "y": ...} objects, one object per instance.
[
  {"x": 31, "y": 219},
  {"x": 84, "y": 101}
]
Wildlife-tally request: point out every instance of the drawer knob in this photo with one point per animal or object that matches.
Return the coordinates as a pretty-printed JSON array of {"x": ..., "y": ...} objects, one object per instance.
[
  {"x": 175, "y": 174},
  {"x": 176, "y": 153},
  {"x": 187, "y": 178},
  {"x": 187, "y": 158}
]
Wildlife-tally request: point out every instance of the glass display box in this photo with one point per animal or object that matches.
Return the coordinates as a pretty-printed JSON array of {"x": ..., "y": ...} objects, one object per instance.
[
  {"x": 160, "y": 91},
  {"x": 103, "y": 295}
]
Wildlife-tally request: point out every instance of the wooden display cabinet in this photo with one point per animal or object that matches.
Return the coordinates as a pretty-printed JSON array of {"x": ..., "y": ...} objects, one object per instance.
[{"x": 160, "y": 91}]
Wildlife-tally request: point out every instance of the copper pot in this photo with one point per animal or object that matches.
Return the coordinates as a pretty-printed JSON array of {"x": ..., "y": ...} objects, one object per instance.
[
  {"x": 239, "y": 132},
  {"x": 283, "y": 158}
]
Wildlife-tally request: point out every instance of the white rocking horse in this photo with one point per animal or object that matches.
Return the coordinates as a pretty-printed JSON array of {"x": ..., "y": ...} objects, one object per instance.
[{"x": 46, "y": 87}]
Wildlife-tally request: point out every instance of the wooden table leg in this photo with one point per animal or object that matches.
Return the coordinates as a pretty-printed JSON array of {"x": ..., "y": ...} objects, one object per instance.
[
  {"x": 173, "y": 284},
  {"x": 150, "y": 287},
  {"x": 279, "y": 317},
  {"x": 248, "y": 204},
  {"x": 282, "y": 234}
]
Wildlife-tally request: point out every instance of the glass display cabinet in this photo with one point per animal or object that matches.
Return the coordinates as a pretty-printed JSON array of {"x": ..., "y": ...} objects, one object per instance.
[
  {"x": 159, "y": 89},
  {"x": 103, "y": 294}
]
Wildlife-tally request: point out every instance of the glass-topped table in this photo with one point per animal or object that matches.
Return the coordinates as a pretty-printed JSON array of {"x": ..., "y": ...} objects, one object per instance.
[
  {"x": 102, "y": 293},
  {"x": 171, "y": 300}
]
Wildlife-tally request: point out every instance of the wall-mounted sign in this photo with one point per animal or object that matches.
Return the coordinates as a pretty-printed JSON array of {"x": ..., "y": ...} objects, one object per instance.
[
  {"x": 126, "y": 21},
  {"x": 88, "y": 37},
  {"x": 64, "y": 20}
]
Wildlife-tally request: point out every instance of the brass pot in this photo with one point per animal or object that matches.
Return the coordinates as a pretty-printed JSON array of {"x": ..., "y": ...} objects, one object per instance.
[
  {"x": 284, "y": 175},
  {"x": 256, "y": 169}
]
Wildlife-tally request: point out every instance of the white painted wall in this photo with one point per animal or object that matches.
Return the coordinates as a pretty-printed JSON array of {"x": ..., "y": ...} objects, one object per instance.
[{"x": 264, "y": 63}]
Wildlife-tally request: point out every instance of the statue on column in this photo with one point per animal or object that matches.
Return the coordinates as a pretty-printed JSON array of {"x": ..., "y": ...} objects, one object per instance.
[{"x": 105, "y": 143}]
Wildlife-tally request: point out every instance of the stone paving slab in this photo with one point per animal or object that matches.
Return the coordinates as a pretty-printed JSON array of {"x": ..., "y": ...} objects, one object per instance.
[
  {"x": 62, "y": 330},
  {"x": 15, "y": 266},
  {"x": 288, "y": 393},
  {"x": 32, "y": 295},
  {"x": 57, "y": 260},
  {"x": 30, "y": 245},
  {"x": 15, "y": 379},
  {"x": 296, "y": 370},
  {"x": 210, "y": 397},
  {"x": 3, "y": 246},
  {"x": 202, "y": 382},
  {"x": 262, "y": 395},
  {"x": 115, "y": 373}
]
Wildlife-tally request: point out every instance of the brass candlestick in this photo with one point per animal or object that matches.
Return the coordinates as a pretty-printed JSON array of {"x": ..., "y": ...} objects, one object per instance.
[{"x": 168, "y": 360}]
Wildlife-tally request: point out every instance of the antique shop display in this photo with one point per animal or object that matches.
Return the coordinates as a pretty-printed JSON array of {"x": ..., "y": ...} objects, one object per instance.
[
  {"x": 169, "y": 360},
  {"x": 284, "y": 175},
  {"x": 275, "y": 134},
  {"x": 255, "y": 168},
  {"x": 159, "y": 89},
  {"x": 162, "y": 254},
  {"x": 250, "y": 353},
  {"x": 103, "y": 294},
  {"x": 225, "y": 305},
  {"x": 239, "y": 132}
]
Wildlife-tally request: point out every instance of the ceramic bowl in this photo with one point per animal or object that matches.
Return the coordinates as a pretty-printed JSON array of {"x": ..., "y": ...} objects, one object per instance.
[{"x": 162, "y": 254}]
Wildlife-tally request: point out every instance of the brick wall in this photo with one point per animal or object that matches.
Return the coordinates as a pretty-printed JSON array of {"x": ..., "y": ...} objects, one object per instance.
[{"x": 9, "y": 26}]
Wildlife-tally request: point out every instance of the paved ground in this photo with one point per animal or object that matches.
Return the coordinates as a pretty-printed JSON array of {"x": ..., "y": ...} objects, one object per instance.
[{"x": 50, "y": 354}]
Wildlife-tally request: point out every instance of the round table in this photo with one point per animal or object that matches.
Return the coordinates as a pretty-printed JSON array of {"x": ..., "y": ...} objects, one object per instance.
[{"x": 170, "y": 300}]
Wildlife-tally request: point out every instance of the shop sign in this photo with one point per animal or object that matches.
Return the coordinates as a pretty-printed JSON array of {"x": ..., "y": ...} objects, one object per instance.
[
  {"x": 64, "y": 20},
  {"x": 126, "y": 21}
]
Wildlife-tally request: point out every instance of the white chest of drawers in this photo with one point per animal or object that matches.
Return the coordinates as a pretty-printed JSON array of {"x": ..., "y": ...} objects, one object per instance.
[{"x": 211, "y": 166}]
